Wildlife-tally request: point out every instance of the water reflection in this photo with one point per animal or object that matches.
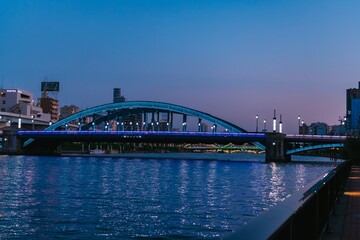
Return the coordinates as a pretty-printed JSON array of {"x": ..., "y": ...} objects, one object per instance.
[
  {"x": 92, "y": 198},
  {"x": 277, "y": 183},
  {"x": 300, "y": 176}
]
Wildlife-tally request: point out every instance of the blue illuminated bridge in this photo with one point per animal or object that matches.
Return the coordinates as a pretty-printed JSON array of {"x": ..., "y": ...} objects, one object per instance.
[{"x": 157, "y": 122}]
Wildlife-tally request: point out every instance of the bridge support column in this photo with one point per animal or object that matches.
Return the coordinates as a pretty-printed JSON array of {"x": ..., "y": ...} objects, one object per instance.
[
  {"x": 275, "y": 147},
  {"x": 10, "y": 142}
]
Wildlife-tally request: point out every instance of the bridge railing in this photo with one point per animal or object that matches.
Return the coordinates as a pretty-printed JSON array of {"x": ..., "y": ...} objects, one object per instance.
[
  {"x": 304, "y": 215},
  {"x": 230, "y": 134},
  {"x": 320, "y": 137}
]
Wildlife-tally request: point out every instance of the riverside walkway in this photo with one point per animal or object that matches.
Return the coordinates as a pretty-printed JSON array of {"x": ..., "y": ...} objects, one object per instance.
[{"x": 345, "y": 222}]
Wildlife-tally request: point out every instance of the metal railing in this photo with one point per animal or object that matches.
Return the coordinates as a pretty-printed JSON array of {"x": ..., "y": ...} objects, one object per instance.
[{"x": 304, "y": 215}]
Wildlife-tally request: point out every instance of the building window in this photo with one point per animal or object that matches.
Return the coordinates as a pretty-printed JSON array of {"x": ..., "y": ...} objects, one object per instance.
[
  {"x": 3, "y": 109},
  {"x": 4, "y": 101}
]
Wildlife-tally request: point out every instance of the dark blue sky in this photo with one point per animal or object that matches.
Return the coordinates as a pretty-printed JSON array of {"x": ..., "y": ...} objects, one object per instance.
[{"x": 232, "y": 59}]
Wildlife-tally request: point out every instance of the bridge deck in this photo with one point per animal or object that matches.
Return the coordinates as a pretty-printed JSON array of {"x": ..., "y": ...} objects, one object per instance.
[{"x": 143, "y": 136}]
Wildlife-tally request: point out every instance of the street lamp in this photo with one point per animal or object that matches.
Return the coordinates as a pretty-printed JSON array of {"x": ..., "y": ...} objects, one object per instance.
[
  {"x": 32, "y": 121},
  {"x": 257, "y": 123},
  {"x": 303, "y": 127},
  {"x": 264, "y": 126},
  {"x": 214, "y": 128},
  {"x": 299, "y": 123}
]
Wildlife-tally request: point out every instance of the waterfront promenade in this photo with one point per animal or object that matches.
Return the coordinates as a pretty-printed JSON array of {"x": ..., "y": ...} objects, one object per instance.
[{"x": 345, "y": 222}]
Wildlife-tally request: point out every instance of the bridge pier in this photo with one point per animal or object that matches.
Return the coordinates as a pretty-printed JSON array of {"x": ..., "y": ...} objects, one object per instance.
[
  {"x": 275, "y": 148},
  {"x": 10, "y": 143}
]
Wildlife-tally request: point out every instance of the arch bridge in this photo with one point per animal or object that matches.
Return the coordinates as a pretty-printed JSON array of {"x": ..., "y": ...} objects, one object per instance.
[{"x": 147, "y": 121}]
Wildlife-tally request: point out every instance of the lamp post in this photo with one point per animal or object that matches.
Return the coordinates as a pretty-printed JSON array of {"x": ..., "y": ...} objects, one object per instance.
[
  {"x": 299, "y": 123},
  {"x": 32, "y": 121},
  {"x": 264, "y": 126},
  {"x": 303, "y": 126},
  {"x": 19, "y": 121},
  {"x": 257, "y": 123}
]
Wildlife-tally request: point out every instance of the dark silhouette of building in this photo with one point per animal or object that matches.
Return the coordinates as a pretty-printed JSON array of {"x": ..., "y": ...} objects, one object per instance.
[
  {"x": 352, "y": 121},
  {"x": 50, "y": 106},
  {"x": 48, "y": 101},
  {"x": 117, "y": 97},
  {"x": 66, "y": 111}
]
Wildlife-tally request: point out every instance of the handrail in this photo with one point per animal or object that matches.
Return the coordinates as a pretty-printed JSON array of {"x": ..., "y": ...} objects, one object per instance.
[{"x": 304, "y": 215}]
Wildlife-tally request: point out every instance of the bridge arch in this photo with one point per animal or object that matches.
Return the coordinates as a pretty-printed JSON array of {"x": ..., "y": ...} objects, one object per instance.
[
  {"x": 314, "y": 147},
  {"x": 113, "y": 109}
]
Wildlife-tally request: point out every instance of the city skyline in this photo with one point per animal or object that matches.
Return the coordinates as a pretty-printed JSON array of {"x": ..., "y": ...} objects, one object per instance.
[{"x": 233, "y": 59}]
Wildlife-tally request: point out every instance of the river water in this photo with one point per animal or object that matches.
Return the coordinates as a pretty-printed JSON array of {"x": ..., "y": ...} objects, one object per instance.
[{"x": 142, "y": 197}]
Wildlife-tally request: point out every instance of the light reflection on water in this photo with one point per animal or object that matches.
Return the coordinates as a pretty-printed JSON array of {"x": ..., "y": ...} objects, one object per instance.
[{"x": 114, "y": 198}]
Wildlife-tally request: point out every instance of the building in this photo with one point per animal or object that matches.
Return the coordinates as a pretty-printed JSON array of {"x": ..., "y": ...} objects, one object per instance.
[
  {"x": 117, "y": 97},
  {"x": 17, "y": 107},
  {"x": 50, "y": 106},
  {"x": 355, "y": 114},
  {"x": 20, "y": 102},
  {"x": 318, "y": 128},
  {"x": 353, "y": 110},
  {"x": 66, "y": 111},
  {"x": 304, "y": 129}
]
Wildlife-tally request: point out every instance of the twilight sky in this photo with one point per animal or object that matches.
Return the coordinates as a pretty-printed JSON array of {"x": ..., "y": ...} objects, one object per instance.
[{"x": 232, "y": 59}]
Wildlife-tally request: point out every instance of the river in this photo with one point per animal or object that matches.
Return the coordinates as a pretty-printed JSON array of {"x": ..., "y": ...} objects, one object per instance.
[{"x": 174, "y": 196}]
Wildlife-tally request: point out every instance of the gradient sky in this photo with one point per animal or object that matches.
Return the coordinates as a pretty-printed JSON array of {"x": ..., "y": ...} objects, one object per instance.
[{"x": 232, "y": 59}]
